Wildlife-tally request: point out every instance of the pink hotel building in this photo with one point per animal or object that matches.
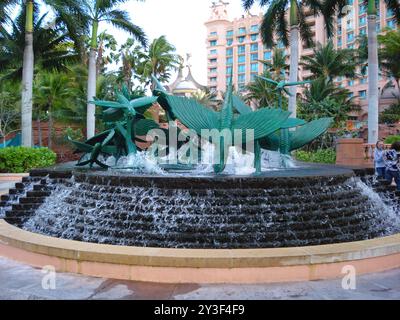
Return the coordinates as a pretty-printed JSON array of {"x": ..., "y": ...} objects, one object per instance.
[{"x": 236, "y": 45}]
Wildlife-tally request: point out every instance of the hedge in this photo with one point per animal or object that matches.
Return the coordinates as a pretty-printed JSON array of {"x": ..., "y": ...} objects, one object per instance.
[
  {"x": 392, "y": 139},
  {"x": 319, "y": 156},
  {"x": 23, "y": 159}
]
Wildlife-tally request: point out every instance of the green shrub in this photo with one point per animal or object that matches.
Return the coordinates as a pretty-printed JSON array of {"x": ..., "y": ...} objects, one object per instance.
[
  {"x": 23, "y": 159},
  {"x": 319, "y": 156},
  {"x": 392, "y": 139}
]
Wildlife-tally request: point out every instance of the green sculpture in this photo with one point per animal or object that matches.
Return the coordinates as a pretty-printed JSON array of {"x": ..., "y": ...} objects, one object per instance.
[
  {"x": 126, "y": 122},
  {"x": 195, "y": 116},
  {"x": 284, "y": 140}
]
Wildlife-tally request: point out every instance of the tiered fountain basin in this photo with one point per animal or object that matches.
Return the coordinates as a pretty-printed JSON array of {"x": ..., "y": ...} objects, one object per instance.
[{"x": 311, "y": 223}]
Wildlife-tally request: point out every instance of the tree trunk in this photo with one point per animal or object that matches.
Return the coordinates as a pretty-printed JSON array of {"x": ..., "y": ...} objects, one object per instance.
[
  {"x": 91, "y": 120},
  {"x": 373, "y": 91},
  {"x": 50, "y": 130},
  {"x": 39, "y": 125},
  {"x": 294, "y": 69},
  {"x": 91, "y": 91},
  {"x": 27, "y": 79}
]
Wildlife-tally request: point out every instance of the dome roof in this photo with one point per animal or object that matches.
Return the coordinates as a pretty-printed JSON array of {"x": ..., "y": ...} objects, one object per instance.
[{"x": 186, "y": 86}]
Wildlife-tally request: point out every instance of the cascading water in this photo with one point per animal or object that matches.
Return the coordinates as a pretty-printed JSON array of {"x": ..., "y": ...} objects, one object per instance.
[{"x": 190, "y": 212}]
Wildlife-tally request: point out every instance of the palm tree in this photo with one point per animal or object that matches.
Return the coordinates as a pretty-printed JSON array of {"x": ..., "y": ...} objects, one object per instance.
[
  {"x": 373, "y": 67},
  {"x": 93, "y": 13},
  {"x": 52, "y": 48},
  {"x": 278, "y": 67},
  {"x": 329, "y": 63},
  {"x": 262, "y": 93},
  {"x": 160, "y": 60},
  {"x": 52, "y": 94},
  {"x": 274, "y": 22},
  {"x": 389, "y": 56}
]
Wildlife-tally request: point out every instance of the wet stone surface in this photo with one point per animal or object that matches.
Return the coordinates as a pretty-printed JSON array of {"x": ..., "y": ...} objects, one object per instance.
[{"x": 309, "y": 206}]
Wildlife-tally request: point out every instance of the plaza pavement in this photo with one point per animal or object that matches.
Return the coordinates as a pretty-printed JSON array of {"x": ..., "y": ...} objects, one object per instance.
[{"x": 21, "y": 282}]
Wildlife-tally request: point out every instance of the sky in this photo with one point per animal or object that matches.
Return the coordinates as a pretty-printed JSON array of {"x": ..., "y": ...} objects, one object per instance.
[{"x": 182, "y": 22}]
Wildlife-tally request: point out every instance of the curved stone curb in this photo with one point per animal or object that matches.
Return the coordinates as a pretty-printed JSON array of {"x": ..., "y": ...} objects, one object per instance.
[{"x": 198, "y": 265}]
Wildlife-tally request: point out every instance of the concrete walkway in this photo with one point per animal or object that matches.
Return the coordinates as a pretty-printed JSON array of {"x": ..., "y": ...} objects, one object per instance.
[{"x": 18, "y": 281}]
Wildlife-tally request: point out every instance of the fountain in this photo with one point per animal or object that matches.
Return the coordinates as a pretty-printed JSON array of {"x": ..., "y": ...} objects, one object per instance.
[{"x": 123, "y": 193}]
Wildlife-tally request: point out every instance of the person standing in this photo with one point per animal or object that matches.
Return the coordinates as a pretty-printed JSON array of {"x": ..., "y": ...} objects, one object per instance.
[
  {"x": 379, "y": 162},
  {"x": 391, "y": 158}
]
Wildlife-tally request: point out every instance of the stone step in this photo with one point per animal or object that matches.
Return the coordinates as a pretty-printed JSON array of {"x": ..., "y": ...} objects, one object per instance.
[{"x": 31, "y": 200}]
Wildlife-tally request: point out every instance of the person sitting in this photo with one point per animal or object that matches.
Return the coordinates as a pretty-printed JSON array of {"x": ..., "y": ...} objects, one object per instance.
[
  {"x": 379, "y": 162},
  {"x": 391, "y": 158}
]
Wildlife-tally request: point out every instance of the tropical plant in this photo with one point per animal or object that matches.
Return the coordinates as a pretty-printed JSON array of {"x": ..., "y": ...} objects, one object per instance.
[
  {"x": 389, "y": 55},
  {"x": 278, "y": 66},
  {"x": 319, "y": 156},
  {"x": 390, "y": 115},
  {"x": 324, "y": 99},
  {"x": 373, "y": 68},
  {"x": 262, "y": 93},
  {"x": 91, "y": 14},
  {"x": 205, "y": 97},
  {"x": 9, "y": 109},
  {"x": 275, "y": 22},
  {"x": 392, "y": 139},
  {"x": 107, "y": 44},
  {"x": 159, "y": 61},
  {"x": 329, "y": 63}
]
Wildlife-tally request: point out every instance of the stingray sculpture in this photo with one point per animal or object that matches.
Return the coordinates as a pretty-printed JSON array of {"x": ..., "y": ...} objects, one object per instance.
[
  {"x": 125, "y": 118},
  {"x": 197, "y": 117},
  {"x": 286, "y": 141}
]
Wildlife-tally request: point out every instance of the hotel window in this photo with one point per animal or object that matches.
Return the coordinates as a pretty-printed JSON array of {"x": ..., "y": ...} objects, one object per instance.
[
  {"x": 254, "y": 28},
  {"x": 339, "y": 42},
  {"x": 241, "y": 49},
  {"x": 254, "y": 67},
  {"x": 339, "y": 31},
  {"x": 228, "y": 79},
  {"x": 213, "y": 34},
  {"x": 241, "y": 87},
  {"x": 213, "y": 79},
  {"x": 242, "y": 68},
  {"x": 350, "y": 46},
  {"x": 254, "y": 47},
  {"x": 229, "y": 42},
  {"x": 362, "y": 94},
  {"x": 378, "y": 27},
  {"x": 213, "y": 43},
  {"x": 229, "y": 60},
  {"x": 363, "y": 80},
  {"x": 212, "y": 52},
  {"x": 391, "y": 24},
  {"x": 363, "y": 31},
  {"x": 242, "y": 59},
  {"x": 362, "y": 21},
  {"x": 280, "y": 45},
  {"x": 351, "y": 95},
  {"x": 254, "y": 37},
  {"x": 349, "y": 25},
  {"x": 212, "y": 61},
  {"x": 213, "y": 70},
  {"x": 389, "y": 13},
  {"x": 241, "y": 78},
  {"x": 229, "y": 34},
  {"x": 241, "y": 39},
  {"x": 228, "y": 70},
  {"x": 350, "y": 83},
  {"x": 350, "y": 2},
  {"x": 267, "y": 55},
  {"x": 242, "y": 30},
  {"x": 229, "y": 52},
  {"x": 254, "y": 57},
  {"x": 362, "y": 8},
  {"x": 253, "y": 77},
  {"x": 350, "y": 36}
]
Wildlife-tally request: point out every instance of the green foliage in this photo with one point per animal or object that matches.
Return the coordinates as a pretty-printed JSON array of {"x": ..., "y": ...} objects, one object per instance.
[
  {"x": 392, "y": 139},
  {"x": 319, "y": 156},
  {"x": 389, "y": 54},
  {"x": 390, "y": 115},
  {"x": 23, "y": 159},
  {"x": 329, "y": 63}
]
